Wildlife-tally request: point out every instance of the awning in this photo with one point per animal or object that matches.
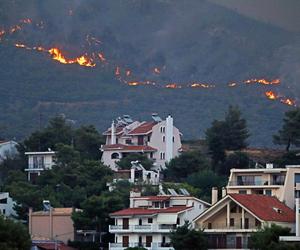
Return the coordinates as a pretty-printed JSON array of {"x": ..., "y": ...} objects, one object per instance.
[{"x": 167, "y": 218}]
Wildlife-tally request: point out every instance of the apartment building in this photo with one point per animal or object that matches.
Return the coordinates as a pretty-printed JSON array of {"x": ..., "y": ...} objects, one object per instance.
[
  {"x": 38, "y": 162},
  {"x": 283, "y": 183},
  {"x": 158, "y": 139},
  {"x": 8, "y": 149},
  {"x": 230, "y": 221},
  {"x": 150, "y": 219}
]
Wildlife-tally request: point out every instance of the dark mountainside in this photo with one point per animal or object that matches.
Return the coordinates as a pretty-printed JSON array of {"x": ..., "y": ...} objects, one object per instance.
[{"x": 188, "y": 41}]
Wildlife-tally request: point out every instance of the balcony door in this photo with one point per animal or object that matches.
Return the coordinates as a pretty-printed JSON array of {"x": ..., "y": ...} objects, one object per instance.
[
  {"x": 140, "y": 140},
  {"x": 148, "y": 241},
  {"x": 125, "y": 223},
  {"x": 125, "y": 241},
  {"x": 239, "y": 242}
]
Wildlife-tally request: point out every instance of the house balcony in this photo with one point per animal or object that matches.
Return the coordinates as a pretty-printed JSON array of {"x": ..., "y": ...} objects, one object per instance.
[
  {"x": 151, "y": 228},
  {"x": 220, "y": 228},
  {"x": 254, "y": 184},
  {"x": 149, "y": 246},
  {"x": 38, "y": 167}
]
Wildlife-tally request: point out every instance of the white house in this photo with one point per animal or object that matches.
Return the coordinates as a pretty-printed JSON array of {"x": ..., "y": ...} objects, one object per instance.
[
  {"x": 7, "y": 205},
  {"x": 38, "y": 162},
  {"x": 159, "y": 140},
  {"x": 8, "y": 149},
  {"x": 149, "y": 220},
  {"x": 283, "y": 183}
]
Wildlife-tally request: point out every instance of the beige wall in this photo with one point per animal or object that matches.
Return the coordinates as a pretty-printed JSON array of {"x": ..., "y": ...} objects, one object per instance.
[{"x": 61, "y": 227}]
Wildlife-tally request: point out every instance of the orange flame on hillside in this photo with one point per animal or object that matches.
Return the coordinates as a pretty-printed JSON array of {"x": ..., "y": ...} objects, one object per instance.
[
  {"x": 101, "y": 57},
  {"x": 82, "y": 60},
  {"x": 288, "y": 101},
  {"x": 263, "y": 81},
  {"x": 201, "y": 85},
  {"x": 26, "y": 21},
  {"x": 128, "y": 72},
  {"x": 271, "y": 95},
  {"x": 14, "y": 29},
  {"x": 173, "y": 86},
  {"x": 156, "y": 70},
  {"x": 232, "y": 84},
  {"x": 117, "y": 71}
]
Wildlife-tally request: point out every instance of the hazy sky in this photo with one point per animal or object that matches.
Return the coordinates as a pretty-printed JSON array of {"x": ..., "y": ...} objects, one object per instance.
[{"x": 282, "y": 13}]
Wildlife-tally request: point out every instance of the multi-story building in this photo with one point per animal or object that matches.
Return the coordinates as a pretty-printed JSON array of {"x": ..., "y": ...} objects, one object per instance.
[
  {"x": 283, "y": 183},
  {"x": 38, "y": 162},
  {"x": 229, "y": 223},
  {"x": 150, "y": 219},
  {"x": 8, "y": 149},
  {"x": 7, "y": 205},
  {"x": 159, "y": 140}
]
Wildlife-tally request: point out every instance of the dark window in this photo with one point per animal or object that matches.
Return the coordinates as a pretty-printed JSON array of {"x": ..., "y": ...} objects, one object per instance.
[
  {"x": 156, "y": 204},
  {"x": 209, "y": 226},
  {"x": 173, "y": 139},
  {"x": 268, "y": 192},
  {"x": 178, "y": 221},
  {"x": 150, "y": 220},
  {"x": 140, "y": 222},
  {"x": 246, "y": 223},
  {"x": 117, "y": 140},
  {"x": 233, "y": 209},
  {"x": 163, "y": 138},
  {"x": 297, "y": 178},
  {"x": 115, "y": 156},
  {"x": 4, "y": 211},
  {"x": 151, "y": 155},
  {"x": 167, "y": 203},
  {"x": 3, "y": 201},
  {"x": 148, "y": 138},
  {"x": 242, "y": 191},
  {"x": 257, "y": 223},
  {"x": 231, "y": 222},
  {"x": 278, "y": 179},
  {"x": 128, "y": 141}
]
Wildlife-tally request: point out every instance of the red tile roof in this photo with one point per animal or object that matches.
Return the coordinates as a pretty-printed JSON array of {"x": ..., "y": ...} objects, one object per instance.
[
  {"x": 148, "y": 211},
  {"x": 118, "y": 131},
  {"x": 143, "y": 129},
  {"x": 121, "y": 147},
  {"x": 266, "y": 208}
]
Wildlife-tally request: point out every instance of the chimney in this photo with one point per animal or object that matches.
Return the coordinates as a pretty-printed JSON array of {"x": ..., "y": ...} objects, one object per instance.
[
  {"x": 169, "y": 138},
  {"x": 224, "y": 192},
  {"x": 214, "y": 195},
  {"x": 133, "y": 194},
  {"x": 113, "y": 133}
]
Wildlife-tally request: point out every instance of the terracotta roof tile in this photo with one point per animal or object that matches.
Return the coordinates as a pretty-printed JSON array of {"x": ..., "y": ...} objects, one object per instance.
[
  {"x": 148, "y": 211},
  {"x": 144, "y": 128},
  {"x": 265, "y": 207}
]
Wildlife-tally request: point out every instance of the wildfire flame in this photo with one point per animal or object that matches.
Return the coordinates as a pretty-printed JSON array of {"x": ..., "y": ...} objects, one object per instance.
[
  {"x": 263, "y": 81},
  {"x": 156, "y": 70},
  {"x": 173, "y": 86},
  {"x": 26, "y": 21},
  {"x": 271, "y": 95},
  {"x": 232, "y": 84},
  {"x": 128, "y": 72},
  {"x": 101, "y": 57},
  {"x": 288, "y": 101},
  {"x": 201, "y": 85}
]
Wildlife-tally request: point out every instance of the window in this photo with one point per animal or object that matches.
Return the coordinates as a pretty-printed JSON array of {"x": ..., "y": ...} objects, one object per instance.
[
  {"x": 117, "y": 140},
  {"x": 162, "y": 155},
  {"x": 200, "y": 206},
  {"x": 231, "y": 222},
  {"x": 278, "y": 179},
  {"x": 209, "y": 226},
  {"x": 3, "y": 211},
  {"x": 242, "y": 191},
  {"x": 246, "y": 180},
  {"x": 173, "y": 139},
  {"x": 150, "y": 220},
  {"x": 3, "y": 201},
  {"x": 268, "y": 192},
  {"x": 163, "y": 138},
  {"x": 257, "y": 223},
  {"x": 115, "y": 156},
  {"x": 167, "y": 204},
  {"x": 128, "y": 141},
  {"x": 140, "y": 222},
  {"x": 233, "y": 209},
  {"x": 162, "y": 129},
  {"x": 178, "y": 221},
  {"x": 148, "y": 138},
  {"x": 297, "y": 178},
  {"x": 151, "y": 155},
  {"x": 156, "y": 204}
]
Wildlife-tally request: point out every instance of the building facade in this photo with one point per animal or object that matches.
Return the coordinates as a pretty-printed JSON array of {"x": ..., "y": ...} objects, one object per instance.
[
  {"x": 150, "y": 219},
  {"x": 7, "y": 205},
  {"x": 38, "y": 162},
  {"x": 52, "y": 224},
  {"x": 229, "y": 223},
  {"x": 159, "y": 140},
  {"x": 8, "y": 149},
  {"x": 283, "y": 183}
]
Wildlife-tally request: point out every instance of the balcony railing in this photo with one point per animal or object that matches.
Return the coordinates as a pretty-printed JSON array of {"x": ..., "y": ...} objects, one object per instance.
[
  {"x": 149, "y": 246},
  {"x": 39, "y": 166},
  {"x": 255, "y": 183},
  {"x": 142, "y": 228},
  {"x": 238, "y": 226}
]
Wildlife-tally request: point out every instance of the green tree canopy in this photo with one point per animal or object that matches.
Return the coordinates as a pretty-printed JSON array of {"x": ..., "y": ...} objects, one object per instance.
[
  {"x": 289, "y": 134},
  {"x": 186, "y": 164},
  {"x": 13, "y": 235},
  {"x": 184, "y": 238},
  {"x": 267, "y": 238},
  {"x": 125, "y": 162}
]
